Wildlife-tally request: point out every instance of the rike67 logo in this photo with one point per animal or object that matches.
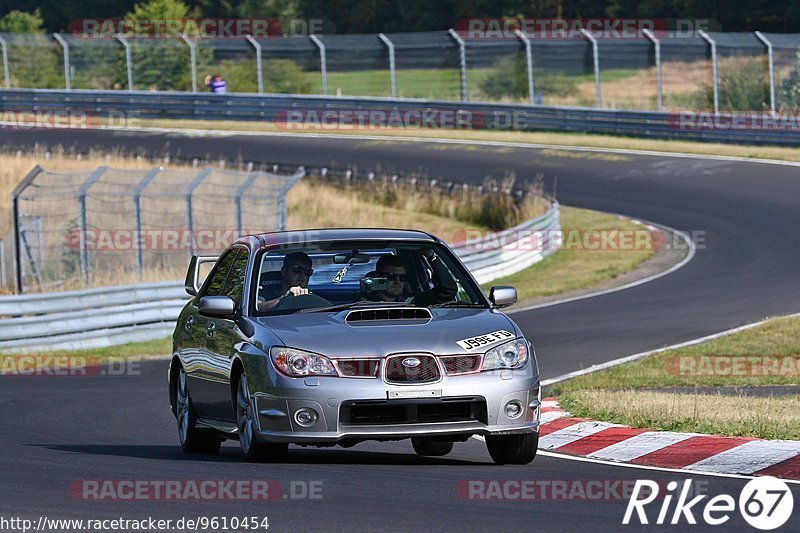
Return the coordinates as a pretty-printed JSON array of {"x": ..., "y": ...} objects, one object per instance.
[{"x": 765, "y": 503}]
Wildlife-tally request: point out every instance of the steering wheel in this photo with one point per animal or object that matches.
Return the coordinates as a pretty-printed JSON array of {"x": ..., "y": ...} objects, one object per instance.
[{"x": 303, "y": 301}]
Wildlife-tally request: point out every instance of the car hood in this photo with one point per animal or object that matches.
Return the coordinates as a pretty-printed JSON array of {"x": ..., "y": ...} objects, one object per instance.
[{"x": 330, "y": 334}]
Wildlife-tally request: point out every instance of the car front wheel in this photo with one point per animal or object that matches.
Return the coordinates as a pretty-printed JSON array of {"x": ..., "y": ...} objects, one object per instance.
[
  {"x": 512, "y": 449},
  {"x": 252, "y": 449},
  {"x": 192, "y": 438}
]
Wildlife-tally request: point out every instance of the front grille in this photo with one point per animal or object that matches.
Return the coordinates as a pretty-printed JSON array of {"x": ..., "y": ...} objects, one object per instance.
[
  {"x": 358, "y": 368},
  {"x": 461, "y": 364},
  {"x": 426, "y": 371},
  {"x": 383, "y": 412}
]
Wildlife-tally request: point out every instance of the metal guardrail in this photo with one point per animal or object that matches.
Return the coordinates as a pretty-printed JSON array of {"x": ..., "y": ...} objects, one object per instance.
[
  {"x": 274, "y": 108},
  {"x": 117, "y": 315}
]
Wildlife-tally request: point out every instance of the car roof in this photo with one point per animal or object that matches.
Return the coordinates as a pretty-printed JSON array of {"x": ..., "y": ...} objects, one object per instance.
[{"x": 280, "y": 238}]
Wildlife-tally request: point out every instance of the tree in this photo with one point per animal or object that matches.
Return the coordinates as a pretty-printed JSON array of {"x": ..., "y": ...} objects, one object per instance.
[{"x": 22, "y": 22}]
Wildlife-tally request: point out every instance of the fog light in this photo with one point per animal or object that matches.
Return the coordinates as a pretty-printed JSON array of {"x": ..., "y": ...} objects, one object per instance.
[
  {"x": 513, "y": 409},
  {"x": 305, "y": 417}
]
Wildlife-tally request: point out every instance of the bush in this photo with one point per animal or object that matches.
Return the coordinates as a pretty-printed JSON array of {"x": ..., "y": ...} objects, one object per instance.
[
  {"x": 510, "y": 79},
  {"x": 493, "y": 205},
  {"x": 789, "y": 95},
  {"x": 743, "y": 86}
]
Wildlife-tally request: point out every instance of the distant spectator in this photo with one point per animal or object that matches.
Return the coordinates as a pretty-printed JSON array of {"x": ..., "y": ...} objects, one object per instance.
[{"x": 216, "y": 84}]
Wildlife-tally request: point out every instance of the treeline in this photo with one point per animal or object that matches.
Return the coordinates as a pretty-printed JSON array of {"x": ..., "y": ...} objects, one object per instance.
[{"x": 372, "y": 16}]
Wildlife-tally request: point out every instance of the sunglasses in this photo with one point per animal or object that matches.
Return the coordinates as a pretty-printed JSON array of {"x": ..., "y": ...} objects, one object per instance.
[
  {"x": 297, "y": 269},
  {"x": 392, "y": 276}
]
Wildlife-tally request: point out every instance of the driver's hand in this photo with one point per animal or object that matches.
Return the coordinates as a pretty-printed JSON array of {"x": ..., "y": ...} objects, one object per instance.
[{"x": 297, "y": 291}]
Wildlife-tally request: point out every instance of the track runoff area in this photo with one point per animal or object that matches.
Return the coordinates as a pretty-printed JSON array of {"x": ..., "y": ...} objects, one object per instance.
[{"x": 707, "y": 295}]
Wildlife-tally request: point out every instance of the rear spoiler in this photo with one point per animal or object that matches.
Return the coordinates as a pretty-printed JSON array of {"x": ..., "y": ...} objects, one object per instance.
[{"x": 192, "y": 283}]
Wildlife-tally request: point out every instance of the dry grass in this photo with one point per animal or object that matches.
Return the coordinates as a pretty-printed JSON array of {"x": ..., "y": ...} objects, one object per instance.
[
  {"x": 763, "y": 417},
  {"x": 317, "y": 205},
  {"x": 310, "y": 204}
]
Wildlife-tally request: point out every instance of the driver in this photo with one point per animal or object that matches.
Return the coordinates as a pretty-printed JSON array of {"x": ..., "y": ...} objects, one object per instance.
[
  {"x": 295, "y": 274},
  {"x": 393, "y": 268}
]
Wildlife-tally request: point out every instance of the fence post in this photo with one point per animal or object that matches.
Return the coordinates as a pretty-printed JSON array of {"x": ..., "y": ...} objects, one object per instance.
[
  {"x": 598, "y": 100},
  {"x": 291, "y": 180},
  {"x": 65, "y": 46},
  {"x": 323, "y": 63},
  {"x": 714, "y": 71},
  {"x": 189, "y": 214},
  {"x": 128, "y": 59},
  {"x": 392, "y": 73},
  {"x": 6, "y": 75},
  {"x": 193, "y": 59},
  {"x": 238, "y": 199},
  {"x": 657, "y": 45},
  {"x": 771, "y": 59},
  {"x": 137, "y": 211},
  {"x": 259, "y": 75},
  {"x": 84, "y": 222},
  {"x": 462, "y": 52},
  {"x": 529, "y": 60},
  {"x": 18, "y": 190}
]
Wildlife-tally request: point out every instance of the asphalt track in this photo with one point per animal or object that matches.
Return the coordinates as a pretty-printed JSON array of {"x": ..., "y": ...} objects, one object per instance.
[{"x": 58, "y": 430}]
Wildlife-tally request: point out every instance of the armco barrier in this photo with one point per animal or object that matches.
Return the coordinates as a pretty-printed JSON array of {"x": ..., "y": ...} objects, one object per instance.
[
  {"x": 268, "y": 108},
  {"x": 116, "y": 315}
]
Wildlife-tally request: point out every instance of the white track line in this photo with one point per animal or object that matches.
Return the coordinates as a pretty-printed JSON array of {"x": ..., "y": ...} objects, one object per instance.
[
  {"x": 749, "y": 457},
  {"x": 572, "y": 433},
  {"x": 639, "y": 445},
  {"x": 549, "y": 416},
  {"x": 642, "y": 355},
  {"x": 643, "y": 467}
]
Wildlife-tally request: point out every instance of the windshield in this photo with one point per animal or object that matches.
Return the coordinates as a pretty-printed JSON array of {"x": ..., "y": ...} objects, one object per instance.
[{"x": 323, "y": 277}]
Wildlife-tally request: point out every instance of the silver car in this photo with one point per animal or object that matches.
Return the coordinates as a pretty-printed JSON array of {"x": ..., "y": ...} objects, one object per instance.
[{"x": 334, "y": 337}]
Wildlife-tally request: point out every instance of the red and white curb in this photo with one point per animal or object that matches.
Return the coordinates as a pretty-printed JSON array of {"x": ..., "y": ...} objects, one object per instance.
[{"x": 561, "y": 432}]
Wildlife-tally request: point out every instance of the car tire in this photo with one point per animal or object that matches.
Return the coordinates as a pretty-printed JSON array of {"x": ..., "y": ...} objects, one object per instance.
[
  {"x": 192, "y": 438},
  {"x": 430, "y": 447},
  {"x": 512, "y": 449},
  {"x": 253, "y": 450}
]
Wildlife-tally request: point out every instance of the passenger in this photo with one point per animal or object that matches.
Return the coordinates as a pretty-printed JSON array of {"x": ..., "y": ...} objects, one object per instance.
[
  {"x": 295, "y": 274},
  {"x": 393, "y": 268}
]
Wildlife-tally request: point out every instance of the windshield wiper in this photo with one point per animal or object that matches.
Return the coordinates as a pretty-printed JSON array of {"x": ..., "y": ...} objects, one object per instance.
[
  {"x": 360, "y": 303},
  {"x": 457, "y": 304}
]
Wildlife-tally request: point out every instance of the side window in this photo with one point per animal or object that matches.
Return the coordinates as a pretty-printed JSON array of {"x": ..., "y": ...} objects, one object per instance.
[
  {"x": 217, "y": 281},
  {"x": 235, "y": 286}
]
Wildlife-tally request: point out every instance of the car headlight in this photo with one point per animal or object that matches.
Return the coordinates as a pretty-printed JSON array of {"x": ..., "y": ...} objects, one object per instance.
[
  {"x": 297, "y": 363},
  {"x": 513, "y": 354}
]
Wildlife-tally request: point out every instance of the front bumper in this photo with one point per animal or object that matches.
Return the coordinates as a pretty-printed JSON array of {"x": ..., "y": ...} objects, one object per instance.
[{"x": 362, "y": 409}]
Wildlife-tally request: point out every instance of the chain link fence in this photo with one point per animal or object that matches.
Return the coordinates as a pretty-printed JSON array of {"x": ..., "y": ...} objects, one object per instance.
[
  {"x": 132, "y": 225},
  {"x": 667, "y": 71}
]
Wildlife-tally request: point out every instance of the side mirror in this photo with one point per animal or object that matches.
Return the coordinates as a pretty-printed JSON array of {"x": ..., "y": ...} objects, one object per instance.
[
  {"x": 502, "y": 296},
  {"x": 193, "y": 283},
  {"x": 217, "y": 306}
]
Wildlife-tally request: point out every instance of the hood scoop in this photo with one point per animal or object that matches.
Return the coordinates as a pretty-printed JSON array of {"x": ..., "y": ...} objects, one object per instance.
[{"x": 388, "y": 314}]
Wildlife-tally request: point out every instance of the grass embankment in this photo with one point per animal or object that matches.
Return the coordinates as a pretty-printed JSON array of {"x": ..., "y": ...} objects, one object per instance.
[
  {"x": 764, "y": 355},
  {"x": 574, "y": 266}
]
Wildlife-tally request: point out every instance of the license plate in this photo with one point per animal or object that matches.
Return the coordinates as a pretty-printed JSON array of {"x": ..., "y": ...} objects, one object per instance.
[{"x": 399, "y": 394}]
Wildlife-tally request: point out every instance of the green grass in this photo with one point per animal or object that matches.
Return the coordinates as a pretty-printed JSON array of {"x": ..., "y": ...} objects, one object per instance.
[
  {"x": 132, "y": 350},
  {"x": 576, "y": 268},
  {"x": 779, "y": 337}
]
